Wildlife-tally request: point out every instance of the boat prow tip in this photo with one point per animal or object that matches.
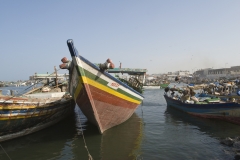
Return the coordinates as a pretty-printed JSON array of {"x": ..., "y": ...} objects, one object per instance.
[
  {"x": 69, "y": 41},
  {"x": 72, "y": 49}
]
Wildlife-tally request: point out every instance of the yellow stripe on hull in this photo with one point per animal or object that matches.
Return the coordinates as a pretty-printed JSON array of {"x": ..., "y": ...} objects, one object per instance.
[
  {"x": 24, "y": 116},
  {"x": 104, "y": 88},
  {"x": 10, "y": 107},
  {"x": 78, "y": 89}
]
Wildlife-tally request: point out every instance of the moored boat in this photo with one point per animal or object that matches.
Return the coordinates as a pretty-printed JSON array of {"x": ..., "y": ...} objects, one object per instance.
[
  {"x": 164, "y": 85},
  {"x": 203, "y": 105},
  {"x": 105, "y": 100},
  {"x": 33, "y": 111}
]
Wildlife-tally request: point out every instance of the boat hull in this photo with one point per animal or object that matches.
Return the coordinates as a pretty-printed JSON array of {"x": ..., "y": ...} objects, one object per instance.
[
  {"x": 103, "y": 99},
  {"x": 104, "y": 109},
  {"x": 224, "y": 111},
  {"x": 22, "y": 116}
]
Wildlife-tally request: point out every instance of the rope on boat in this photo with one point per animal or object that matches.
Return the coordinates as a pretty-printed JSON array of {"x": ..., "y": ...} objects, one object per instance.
[
  {"x": 142, "y": 113},
  {"x": 85, "y": 144},
  {"x": 5, "y": 152}
]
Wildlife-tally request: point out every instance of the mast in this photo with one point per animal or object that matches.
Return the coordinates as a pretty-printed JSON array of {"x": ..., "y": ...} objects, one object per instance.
[{"x": 56, "y": 80}]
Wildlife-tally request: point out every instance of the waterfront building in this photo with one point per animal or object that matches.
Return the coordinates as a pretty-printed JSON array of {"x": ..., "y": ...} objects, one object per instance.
[
  {"x": 209, "y": 73},
  {"x": 48, "y": 77}
]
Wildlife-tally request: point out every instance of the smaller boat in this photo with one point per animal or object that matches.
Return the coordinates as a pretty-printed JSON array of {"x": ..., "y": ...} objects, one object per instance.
[
  {"x": 33, "y": 111},
  {"x": 203, "y": 105},
  {"x": 164, "y": 84}
]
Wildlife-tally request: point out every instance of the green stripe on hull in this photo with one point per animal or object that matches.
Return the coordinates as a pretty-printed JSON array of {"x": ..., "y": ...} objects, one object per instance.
[{"x": 103, "y": 82}]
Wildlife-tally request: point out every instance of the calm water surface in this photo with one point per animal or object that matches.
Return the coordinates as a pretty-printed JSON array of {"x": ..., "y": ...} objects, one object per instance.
[{"x": 154, "y": 132}]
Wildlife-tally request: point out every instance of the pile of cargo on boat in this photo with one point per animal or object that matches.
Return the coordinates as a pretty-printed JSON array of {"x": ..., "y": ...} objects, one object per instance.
[
  {"x": 206, "y": 93},
  {"x": 207, "y": 100}
]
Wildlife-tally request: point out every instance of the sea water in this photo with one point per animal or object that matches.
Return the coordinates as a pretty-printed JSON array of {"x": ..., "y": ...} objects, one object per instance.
[{"x": 154, "y": 132}]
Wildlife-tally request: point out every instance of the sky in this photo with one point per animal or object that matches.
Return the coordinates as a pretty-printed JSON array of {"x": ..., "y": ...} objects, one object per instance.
[{"x": 158, "y": 35}]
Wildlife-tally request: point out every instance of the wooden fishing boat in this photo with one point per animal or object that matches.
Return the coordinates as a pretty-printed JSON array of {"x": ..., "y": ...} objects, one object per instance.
[
  {"x": 104, "y": 100},
  {"x": 206, "y": 107},
  {"x": 33, "y": 111}
]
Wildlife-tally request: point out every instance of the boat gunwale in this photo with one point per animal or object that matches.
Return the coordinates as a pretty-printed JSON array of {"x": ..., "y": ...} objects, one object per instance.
[
  {"x": 76, "y": 54},
  {"x": 109, "y": 75}
]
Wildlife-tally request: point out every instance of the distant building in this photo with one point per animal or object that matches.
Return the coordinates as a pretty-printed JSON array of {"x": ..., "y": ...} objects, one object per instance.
[
  {"x": 202, "y": 73},
  {"x": 235, "y": 71},
  {"x": 232, "y": 72},
  {"x": 183, "y": 73},
  {"x": 217, "y": 73},
  {"x": 49, "y": 77},
  {"x": 171, "y": 75}
]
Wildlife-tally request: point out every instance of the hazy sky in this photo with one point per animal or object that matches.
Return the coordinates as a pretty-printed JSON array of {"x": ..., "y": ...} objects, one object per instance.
[{"x": 157, "y": 35}]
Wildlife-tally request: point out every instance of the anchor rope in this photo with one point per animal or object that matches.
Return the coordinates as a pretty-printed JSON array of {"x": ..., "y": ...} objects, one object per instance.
[
  {"x": 5, "y": 152},
  {"x": 85, "y": 144},
  {"x": 142, "y": 113}
]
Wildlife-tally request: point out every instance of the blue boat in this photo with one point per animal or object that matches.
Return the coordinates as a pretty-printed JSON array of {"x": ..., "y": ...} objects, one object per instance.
[{"x": 213, "y": 107}]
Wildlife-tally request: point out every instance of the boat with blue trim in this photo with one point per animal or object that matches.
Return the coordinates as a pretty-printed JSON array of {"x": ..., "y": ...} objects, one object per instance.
[{"x": 204, "y": 105}]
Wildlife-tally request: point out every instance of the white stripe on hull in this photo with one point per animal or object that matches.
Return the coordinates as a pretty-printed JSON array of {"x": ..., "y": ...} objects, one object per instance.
[{"x": 102, "y": 76}]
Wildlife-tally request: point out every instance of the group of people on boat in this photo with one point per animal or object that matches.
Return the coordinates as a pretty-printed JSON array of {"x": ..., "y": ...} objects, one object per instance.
[
  {"x": 186, "y": 95},
  {"x": 205, "y": 91}
]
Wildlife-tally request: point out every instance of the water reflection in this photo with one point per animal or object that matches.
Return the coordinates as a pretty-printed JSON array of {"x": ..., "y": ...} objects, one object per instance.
[
  {"x": 123, "y": 141},
  {"x": 50, "y": 143},
  {"x": 65, "y": 141},
  {"x": 120, "y": 142},
  {"x": 212, "y": 127}
]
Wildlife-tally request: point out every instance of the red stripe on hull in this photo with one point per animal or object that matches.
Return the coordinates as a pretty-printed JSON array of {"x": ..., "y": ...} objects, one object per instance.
[
  {"x": 110, "y": 115},
  {"x": 84, "y": 104},
  {"x": 109, "y": 109},
  {"x": 103, "y": 96}
]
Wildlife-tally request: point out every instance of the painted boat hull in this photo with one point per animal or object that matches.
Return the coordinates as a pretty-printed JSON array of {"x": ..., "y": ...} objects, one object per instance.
[
  {"x": 225, "y": 111},
  {"x": 22, "y": 116},
  {"x": 103, "y": 99}
]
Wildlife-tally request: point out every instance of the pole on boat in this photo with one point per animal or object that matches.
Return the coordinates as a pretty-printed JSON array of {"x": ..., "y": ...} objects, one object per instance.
[
  {"x": 56, "y": 80},
  {"x": 12, "y": 92}
]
